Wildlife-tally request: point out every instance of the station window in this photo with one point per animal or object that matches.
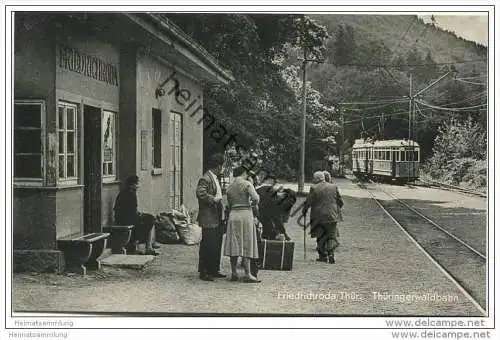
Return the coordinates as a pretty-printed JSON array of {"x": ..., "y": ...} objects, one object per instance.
[
  {"x": 109, "y": 145},
  {"x": 67, "y": 119},
  {"x": 156, "y": 119},
  {"x": 28, "y": 141}
]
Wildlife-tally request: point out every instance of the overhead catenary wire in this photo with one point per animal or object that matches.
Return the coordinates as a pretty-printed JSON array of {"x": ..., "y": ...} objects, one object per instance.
[
  {"x": 473, "y": 77},
  {"x": 400, "y": 113},
  {"x": 387, "y": 101},
  {"x": 466, "y": 100},
  {"x": 449, "y": 108},
  {"x": 376, "y": 107},
  {"x": 418, "y": 109},
  {"x": 471, "y": 82},
  {"x": 470, "y": 99},
  {"x": 414, "y": 65},
  {"x": 374, "y": 116},
  {"x": 403, "y": 86}
]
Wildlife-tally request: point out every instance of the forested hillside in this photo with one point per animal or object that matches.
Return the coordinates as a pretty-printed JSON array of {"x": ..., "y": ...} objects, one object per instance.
[
  {"x": 373, "y": 59},
  {"x": 361, "y": 86},
  {"x": 401, "y": 33}
]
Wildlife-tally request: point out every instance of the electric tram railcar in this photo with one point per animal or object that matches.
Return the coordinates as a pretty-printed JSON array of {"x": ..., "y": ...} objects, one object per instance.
[{"x": 386, "y": 160}]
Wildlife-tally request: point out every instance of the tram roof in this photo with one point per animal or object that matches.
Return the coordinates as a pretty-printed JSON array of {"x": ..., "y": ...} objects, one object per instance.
[{"x": 359, "y": 143}]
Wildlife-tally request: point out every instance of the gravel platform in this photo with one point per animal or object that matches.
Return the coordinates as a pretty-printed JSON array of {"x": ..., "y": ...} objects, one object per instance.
[{"x": 379, "y": 271}]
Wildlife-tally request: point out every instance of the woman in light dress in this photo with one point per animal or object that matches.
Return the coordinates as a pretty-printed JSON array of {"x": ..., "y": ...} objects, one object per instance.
[{"x": 241, "y": 236}]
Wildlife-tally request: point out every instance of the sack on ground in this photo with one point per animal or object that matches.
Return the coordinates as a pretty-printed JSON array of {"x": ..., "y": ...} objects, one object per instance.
[
  {"x": 189, "y": 233},
  {"x": 181, "y": 217},
  {"x": 165, "y": 229}
]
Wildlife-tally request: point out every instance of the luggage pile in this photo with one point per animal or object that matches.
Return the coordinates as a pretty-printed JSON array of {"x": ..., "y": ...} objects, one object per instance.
[
  {"x": 165, "y": 230},
  {"x": 177, "y": 227}
]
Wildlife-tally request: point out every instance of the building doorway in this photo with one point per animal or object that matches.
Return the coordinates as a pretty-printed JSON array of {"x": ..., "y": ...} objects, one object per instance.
[{"x": 92, "y": 172}]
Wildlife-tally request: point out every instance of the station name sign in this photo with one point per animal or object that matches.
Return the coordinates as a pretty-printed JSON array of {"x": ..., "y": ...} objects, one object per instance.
[{"x": 73, "y": 60}]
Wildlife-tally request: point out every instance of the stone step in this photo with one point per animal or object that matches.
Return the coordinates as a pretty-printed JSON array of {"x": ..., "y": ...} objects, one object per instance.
[{"x": 127, "y": 261}]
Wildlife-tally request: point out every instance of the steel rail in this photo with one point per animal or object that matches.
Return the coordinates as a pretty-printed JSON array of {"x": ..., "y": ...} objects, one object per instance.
[
  {"x": 456, "y": 238},
  {"x": 430, "y": 257}
]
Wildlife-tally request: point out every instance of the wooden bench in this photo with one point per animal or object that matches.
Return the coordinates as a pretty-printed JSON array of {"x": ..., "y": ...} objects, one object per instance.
[{"x": 82, "y": 251}]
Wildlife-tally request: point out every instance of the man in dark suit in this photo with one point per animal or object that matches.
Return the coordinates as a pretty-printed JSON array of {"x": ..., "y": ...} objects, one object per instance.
[
  {"x": 210, "y": 212},
  {"x": 126, "y": 213},
  {"x": 325, "y": 202}
]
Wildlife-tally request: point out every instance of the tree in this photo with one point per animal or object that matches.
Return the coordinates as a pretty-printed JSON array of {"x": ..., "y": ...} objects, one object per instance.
[
  {"x": 322, "y": 118},
  {"x": 345, "y": 45},
  {"x": 259, "y": 104},
  {"x": 413, "y": 61},
  {"x": 374, "y": 53},
  {"x": 429, "y": 69}
]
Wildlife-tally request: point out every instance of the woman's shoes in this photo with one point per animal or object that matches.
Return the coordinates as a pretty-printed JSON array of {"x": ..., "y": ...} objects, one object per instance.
[
  {"x": 247, "y": 279},
  {"x": 251, "y": 280},
  {"x": 151, "y": 252}
]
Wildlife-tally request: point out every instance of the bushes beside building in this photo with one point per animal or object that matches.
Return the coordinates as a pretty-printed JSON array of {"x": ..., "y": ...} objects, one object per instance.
[{"x": 460, "y": 155}]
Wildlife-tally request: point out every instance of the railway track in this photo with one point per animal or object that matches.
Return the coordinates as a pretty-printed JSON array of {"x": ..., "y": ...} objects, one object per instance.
[
  {"x": 449, "y": 187},
  {"x": 454, "y": 256}
]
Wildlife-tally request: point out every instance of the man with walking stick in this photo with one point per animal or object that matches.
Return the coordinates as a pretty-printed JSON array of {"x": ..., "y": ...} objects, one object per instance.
[{"x": 326, "y": 203}]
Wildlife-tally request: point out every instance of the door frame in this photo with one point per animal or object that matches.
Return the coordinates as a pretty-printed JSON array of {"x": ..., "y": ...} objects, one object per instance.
[{"x": 92, "y": 168}]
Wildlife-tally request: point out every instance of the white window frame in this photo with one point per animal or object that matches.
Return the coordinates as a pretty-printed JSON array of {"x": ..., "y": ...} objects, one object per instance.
[
  {"x": 176, "y": 145},
  {"x": 62, "y": 127},
  {"x": 109, "y": 177},
  {"x": 30, "y": 181}
]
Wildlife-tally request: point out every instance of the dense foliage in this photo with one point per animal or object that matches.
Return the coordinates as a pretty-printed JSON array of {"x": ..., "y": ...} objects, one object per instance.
[
  {"x": 367, "y": 65},
  {"x": 262, "y": 105},
  {"x": 459, "y": 154}
]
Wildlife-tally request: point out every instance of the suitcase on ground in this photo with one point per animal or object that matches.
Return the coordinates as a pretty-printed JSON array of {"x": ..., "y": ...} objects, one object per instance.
[{"x": 276, "y": 255}]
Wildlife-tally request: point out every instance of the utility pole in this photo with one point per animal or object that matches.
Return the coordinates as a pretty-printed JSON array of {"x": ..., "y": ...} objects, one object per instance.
[
  {"x": 303, "y": 127},
  {"x": 409, "y": 123},
  {"x": 306, "y": 49},
  {"x": 411, "y": 119},
  {"x": 341, "y": 151},
  {"x": 409, "y": 110}
]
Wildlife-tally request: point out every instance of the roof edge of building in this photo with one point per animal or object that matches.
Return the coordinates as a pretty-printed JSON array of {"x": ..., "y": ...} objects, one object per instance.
[{"x": 192, "y": 45}]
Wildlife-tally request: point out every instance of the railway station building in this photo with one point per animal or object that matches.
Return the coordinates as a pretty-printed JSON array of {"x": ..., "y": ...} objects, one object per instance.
[{"x": 99, "y": 97}]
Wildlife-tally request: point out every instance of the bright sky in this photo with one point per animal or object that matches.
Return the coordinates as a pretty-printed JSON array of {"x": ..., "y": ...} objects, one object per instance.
[{"x": 470, "y": 27}]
